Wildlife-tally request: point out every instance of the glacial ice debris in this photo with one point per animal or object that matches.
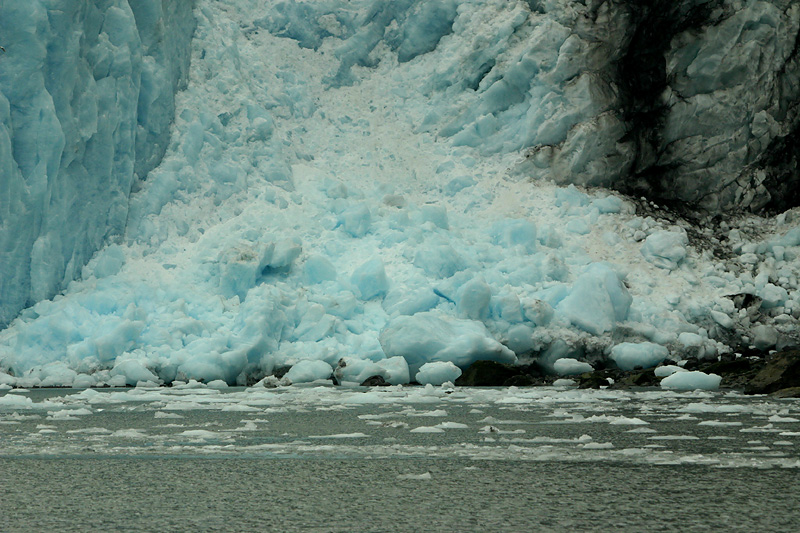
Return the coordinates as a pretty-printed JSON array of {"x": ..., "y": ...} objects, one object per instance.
[
  {"x": 378, "y": 191},
  {"x": 432, "y": 336}
]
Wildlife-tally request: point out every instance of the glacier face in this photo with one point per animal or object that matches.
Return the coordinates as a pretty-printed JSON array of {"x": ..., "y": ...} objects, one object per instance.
[
  {"x": 352, "y": 182},
  {"x": 86, "y": 100}
]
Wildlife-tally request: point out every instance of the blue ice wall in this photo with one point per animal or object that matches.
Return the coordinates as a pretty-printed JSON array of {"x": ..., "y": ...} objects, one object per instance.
[{"x": 86, "y": 99}]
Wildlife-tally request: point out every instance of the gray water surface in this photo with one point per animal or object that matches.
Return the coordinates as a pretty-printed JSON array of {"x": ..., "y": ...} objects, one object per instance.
[{"x": 399, "y": 459}]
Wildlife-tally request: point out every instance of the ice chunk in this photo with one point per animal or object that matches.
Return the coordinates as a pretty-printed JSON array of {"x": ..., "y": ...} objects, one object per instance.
[
  {"x": 629, "y": 355},
  {"x": 439, "y": 260},
  {"x": 370, "y": 279},
  {"x": 408, "y": 301},
  {"x": 772, "y": 296},
  {"x": 519, "y": 338},
  {"x": 597, "y": 300},
  {"x": 356, "y": 220},
  {"x": 318, "y": 269},
  {"x": 665, "y": 249},
  {"x": 309, "y": 370},
  {"x": 433, "y": 336},
  {"x": 458, "y": 184},
  {"x": 437, "y": 372},
  {"x": 473, "y": 299},
  {"x": 133, "y": 371},
  {"x": 394, "y": 370},
  {"x": 437, "y": 214},
  {"x": 691, "y": 381},
  {"x": 571, "y": 367},
  {"x": 512, "y": 233},
  {"x": 668, "y": 370}
]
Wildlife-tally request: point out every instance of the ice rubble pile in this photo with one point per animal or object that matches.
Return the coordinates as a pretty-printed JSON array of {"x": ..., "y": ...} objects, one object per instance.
[
  {"x": 86, "y": 99},
  {"x": 342, "y": 194}
]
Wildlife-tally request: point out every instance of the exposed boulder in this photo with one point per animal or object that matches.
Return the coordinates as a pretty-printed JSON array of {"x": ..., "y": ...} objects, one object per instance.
[
  {"x": 494, "y": 374},
  {"x": 375, "y": 381},
  {"x": 781, "y": 372}
]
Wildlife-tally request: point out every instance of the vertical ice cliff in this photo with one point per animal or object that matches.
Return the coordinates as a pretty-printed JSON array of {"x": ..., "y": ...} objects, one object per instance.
[{"x": 86, "y": 99}]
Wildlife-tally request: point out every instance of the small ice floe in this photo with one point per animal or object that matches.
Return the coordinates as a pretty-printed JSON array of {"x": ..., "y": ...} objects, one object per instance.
[
  {"x": 567, "y": 366},
  {"x": 423, "y": 477},
  {"x": 68, "y": 414},
  {"x": 340, "y": 436},
  {"x": 667, "y": 370},
  {"x": 200, "y": 434},
  {"x": 165, "y": 414},
  {"x": 694, "y": 380},
  {"x": 598, "y": 446},
  {"x": 495, "y": 429},
  {"x": 427, "y": 429},
  {"x": 434, "y": 413},
  {"x": 718, "y": 423},
  {"x": 129, "y": 434},
  {"x": 778, "y": 418},
  {"x": 626, "y": 421},
  {"x": 564, "y": 382},
  {"x": 438, "y": 373},
  {"x": 767, "y": 428},
  {"x": 451, "y": 425},
  {"x": 673, "y": 437},
  {"x": 249, "y": 425},
  {"x": 554, "y": 440},
  {"x": 240, "y": 408},
  {"x": 493, "y": 420}
]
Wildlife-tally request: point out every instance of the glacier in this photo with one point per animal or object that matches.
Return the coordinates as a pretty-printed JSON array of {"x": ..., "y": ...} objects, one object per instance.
[
  {"x": 86, "y": 100},
  {"x": 223, "y": 190}
]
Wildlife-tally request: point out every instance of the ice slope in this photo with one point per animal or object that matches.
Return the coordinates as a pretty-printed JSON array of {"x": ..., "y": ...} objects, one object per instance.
[
  {"x": 339, "y": 192},
  {"x": 86, "y": 99}
]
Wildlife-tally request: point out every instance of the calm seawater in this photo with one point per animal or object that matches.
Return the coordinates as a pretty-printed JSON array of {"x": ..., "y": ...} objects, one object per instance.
[{"x": 401, "y": 459}]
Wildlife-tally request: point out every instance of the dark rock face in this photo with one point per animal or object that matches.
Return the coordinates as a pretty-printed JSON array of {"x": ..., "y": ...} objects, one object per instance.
[
  {"x": 280, "y": 371},
  {"x": 695, "y": 103},
  {"x": 793, "y": 392},
  {"x": 781, "y": 372},
  {"x": 375, "y": 381},
  {"x": 642, "y": 80},
  {"x": 493, "y": 374}
]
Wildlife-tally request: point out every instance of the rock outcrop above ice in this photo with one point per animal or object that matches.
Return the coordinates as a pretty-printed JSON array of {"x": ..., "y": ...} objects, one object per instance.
[
  {"x": 86, "y": 100},
  {"x": 781, "y": 372}
]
